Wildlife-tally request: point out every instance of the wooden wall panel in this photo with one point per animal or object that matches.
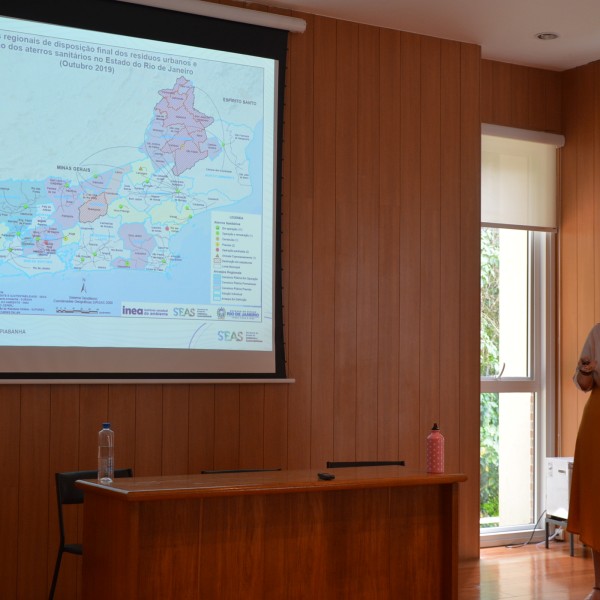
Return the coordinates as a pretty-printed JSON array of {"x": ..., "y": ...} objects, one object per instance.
[
  {"x": 227, "y": 426},
  {"x": 252, "y": 417},
  {"x": 579, "y": 238},
  {"x": 346, "y": 238},
  {"x": 496, "y": 93},
  {"x": 121, "y": 412},
  {"x": 430, "y": 240},
  {"x": 367, "y": 293},
  {"x": 93, "y": 411},
  {"x": 380, "y": 254},
  {"x": 388, "y": 330},
  {"x": 34, "y": 483},
  {"x": 323, "y": 246},
  {"x": 148, "y": 430},
  {"x": 523, "y": 97},
  {"x": 409, "y": 366},
  {"x": 201, "y": 428},
  {"x": 519, "y": 99},
  {"x": 594, "y": 124},
  {"x": 300, "y": 205},
  {"x": 277, "y": 396},
  {"x": 568, "y": 418},
  {"x": 10, "y": 435},
  {"x": 450, "y": 264},
  {"x": 284, "y": 215},
  {"x": 585, "y": 213},
  {"x": 276, "y": 426},
  {"x": 470, "y": 219},
  {"x": 175, "y": 437}
]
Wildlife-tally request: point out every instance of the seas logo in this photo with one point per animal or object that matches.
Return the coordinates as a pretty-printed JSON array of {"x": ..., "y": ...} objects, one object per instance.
[
  {"x": 179, "y": 311},
  {"x": 230, "y": 336}
]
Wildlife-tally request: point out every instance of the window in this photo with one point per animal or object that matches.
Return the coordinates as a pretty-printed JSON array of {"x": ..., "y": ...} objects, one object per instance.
[{"x": 517, "y": 336}]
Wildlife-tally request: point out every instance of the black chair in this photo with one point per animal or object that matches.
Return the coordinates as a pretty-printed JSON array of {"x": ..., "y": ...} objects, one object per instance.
[
  {"x": 67, "y": 493},
  {"x": 238, "y": 471},
  {"x": 363, "y": 463}
]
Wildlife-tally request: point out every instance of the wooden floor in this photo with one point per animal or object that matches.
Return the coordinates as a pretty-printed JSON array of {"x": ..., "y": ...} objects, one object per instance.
[{"x": 528, "y": 572}]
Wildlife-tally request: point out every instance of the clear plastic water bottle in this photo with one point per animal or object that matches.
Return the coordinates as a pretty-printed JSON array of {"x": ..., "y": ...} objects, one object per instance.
[{"x": 106, "y": 454}]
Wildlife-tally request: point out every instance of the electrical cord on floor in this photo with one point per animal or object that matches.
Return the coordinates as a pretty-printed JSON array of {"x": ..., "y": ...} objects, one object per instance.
[
  {"x": 550, "y": 538},
  {"x": 532, "y": 534}
]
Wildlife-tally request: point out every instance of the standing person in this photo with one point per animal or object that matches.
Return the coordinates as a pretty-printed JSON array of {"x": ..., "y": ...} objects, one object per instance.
[{"x": 584, "y": 518}]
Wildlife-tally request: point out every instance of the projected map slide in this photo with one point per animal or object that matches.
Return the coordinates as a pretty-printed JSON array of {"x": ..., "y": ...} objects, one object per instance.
[{"x": 136, "y": 192}]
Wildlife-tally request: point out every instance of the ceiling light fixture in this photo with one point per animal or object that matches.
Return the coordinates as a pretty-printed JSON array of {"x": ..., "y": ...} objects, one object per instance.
[{"x": 546, "y": 35}]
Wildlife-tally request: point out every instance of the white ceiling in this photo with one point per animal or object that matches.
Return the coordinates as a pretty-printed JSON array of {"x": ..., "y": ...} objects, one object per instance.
[{"x": 505, "y": 29}]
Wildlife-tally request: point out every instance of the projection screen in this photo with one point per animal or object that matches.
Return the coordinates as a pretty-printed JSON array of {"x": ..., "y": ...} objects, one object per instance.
[{"x": 139, "y": 194}]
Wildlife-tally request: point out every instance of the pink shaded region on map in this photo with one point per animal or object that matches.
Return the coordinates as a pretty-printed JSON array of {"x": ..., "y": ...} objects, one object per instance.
[{"x": 181, "y": 125}]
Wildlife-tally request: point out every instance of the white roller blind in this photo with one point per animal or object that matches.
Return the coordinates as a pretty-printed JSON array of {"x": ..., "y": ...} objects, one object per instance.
[{"x": 518, "y": 182}]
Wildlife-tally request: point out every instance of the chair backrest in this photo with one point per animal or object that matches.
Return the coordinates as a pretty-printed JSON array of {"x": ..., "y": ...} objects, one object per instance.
[
  {"x": 363, "y": 463},
  {"x": 67, "y": 493},
  {"x": 238, "y": 471}
]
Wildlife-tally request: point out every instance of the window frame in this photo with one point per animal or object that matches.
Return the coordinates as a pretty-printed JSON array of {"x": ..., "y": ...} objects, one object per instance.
[{"x": 540, "y": 382}]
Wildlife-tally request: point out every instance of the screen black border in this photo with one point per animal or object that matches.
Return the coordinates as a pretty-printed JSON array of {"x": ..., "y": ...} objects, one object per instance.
[{"x": 165, "y": 24}]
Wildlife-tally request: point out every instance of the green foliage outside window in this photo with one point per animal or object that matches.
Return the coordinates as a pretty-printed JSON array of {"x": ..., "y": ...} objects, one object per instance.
[{"x": 490, "y": 344}]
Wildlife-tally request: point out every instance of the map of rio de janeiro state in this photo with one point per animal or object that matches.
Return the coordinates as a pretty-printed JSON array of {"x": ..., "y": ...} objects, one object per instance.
[{"x": 103, "y": 216}]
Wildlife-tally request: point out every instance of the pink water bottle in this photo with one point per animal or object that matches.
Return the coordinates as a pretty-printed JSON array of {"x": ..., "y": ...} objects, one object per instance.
[{"x": 435, "y": 450}]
